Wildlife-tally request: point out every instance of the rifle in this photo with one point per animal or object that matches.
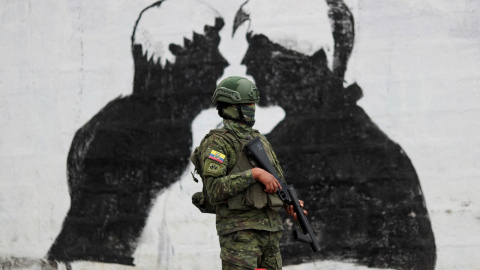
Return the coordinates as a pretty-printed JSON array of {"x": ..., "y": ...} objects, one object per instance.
[{"x": 287, "y": 194}]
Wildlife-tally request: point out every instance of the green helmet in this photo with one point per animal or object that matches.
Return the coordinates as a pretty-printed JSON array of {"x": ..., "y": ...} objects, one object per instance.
[{"x": 236, "y": 90}]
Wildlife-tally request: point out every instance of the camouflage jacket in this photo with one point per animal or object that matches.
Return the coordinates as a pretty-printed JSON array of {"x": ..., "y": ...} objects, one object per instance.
[{"x": 218, "y": 159}]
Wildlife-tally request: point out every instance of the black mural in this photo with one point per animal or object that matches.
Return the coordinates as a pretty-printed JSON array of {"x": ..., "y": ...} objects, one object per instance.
[
  {"x": 361, "y": 189},
  {"x": 362, "y": 192},
  {"x": 133, "y": 148}
]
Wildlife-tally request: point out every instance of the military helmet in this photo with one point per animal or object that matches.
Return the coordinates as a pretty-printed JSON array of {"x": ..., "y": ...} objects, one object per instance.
[{"x": 236, "y": 90}]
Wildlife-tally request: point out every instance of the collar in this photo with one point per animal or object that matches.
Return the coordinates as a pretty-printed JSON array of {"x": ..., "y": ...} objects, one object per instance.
[{"x": 241, "y": 130}]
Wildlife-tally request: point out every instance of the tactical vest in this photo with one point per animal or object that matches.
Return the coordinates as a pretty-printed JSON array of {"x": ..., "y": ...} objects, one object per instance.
[{"x": 253, "y": 196}]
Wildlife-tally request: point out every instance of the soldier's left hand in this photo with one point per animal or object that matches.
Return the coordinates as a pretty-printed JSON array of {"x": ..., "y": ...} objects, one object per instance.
[{"x": 292, "y": 213}]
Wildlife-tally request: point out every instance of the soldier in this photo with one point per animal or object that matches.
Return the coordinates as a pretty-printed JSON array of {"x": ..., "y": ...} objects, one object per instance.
[{"x": 243, "y": 198}]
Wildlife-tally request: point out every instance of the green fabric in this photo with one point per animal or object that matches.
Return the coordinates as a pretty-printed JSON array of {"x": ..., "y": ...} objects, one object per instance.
[
  {"x": 248, "y": 112},
  {"x": 228, "y": 178},
  {"x": 231, "y": 112},
  {"x": 239, "y": 129},
  {"x": 249, "y": 249}
]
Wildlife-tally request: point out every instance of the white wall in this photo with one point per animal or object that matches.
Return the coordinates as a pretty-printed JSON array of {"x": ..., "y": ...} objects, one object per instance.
[
  {"x": 418, "y": 64},
  {"x": 62, "y": 61}
]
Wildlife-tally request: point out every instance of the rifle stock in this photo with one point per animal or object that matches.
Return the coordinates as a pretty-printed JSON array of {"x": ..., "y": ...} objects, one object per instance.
[{"x": 287, "y": 194}]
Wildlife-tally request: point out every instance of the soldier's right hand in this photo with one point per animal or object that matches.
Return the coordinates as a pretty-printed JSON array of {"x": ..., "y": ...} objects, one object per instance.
[{"x": 267, "y": 179}]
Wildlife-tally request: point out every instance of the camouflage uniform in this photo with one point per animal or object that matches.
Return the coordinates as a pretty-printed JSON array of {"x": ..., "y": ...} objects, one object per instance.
[
  {"x": 249, "y": 234},
  {"x": 248, "y": 249}
]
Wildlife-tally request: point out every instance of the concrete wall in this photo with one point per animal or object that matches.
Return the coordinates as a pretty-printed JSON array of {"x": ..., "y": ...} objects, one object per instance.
[{"x": 65, "y": 66}]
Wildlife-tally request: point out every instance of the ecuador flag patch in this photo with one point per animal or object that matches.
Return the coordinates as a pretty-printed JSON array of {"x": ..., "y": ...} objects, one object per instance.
[{"x": 217, "y": 156}]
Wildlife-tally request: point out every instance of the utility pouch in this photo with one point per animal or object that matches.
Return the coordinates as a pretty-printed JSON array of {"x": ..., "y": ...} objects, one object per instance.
[
  {"x": 275, "y": 202},
  {"x": 255, "y": 196}
]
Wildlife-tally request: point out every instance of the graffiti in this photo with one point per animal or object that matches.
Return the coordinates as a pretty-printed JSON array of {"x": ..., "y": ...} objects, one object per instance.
[
  {"x": 366, "y": 200},
  {"x": 363, "y": 194},
  {"x": 133, "y": 148}
]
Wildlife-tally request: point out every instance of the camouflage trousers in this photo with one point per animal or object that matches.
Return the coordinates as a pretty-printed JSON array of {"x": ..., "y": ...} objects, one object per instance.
[{"x": 250, "y": 249}]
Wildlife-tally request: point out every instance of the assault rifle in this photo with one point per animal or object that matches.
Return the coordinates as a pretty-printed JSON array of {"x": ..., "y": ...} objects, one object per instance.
[{"x": 287, "y": 194}]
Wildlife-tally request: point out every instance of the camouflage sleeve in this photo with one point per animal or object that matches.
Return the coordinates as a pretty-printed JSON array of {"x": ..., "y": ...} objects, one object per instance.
[{"x": 218, "y": 156}]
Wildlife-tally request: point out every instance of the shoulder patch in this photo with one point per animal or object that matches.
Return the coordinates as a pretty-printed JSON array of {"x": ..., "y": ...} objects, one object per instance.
[
  {"x": 213, "y": 168},
  {"x": 217, "y": 156}
]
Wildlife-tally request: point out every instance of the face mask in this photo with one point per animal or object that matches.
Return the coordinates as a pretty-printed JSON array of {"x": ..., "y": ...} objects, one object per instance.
[
  {"x": 231, "y": 112},
  {"x": 247, "y": 110}
]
